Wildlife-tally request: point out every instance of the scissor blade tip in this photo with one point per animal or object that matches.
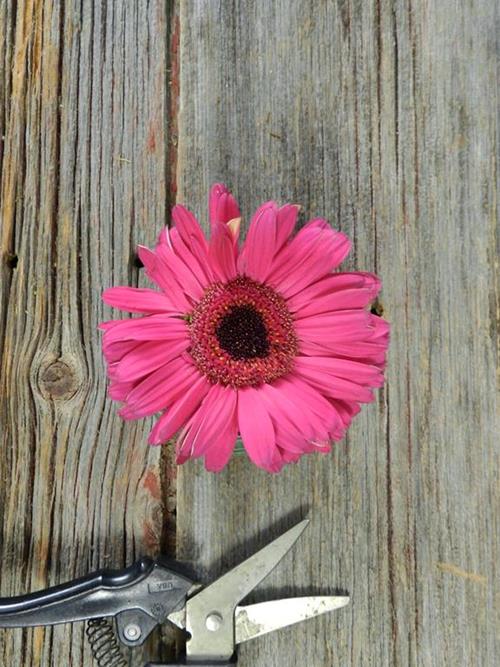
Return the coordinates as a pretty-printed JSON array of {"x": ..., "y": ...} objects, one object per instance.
[
  {"x": 302, "y": 525},
  {"x": 343, "y": 600}
]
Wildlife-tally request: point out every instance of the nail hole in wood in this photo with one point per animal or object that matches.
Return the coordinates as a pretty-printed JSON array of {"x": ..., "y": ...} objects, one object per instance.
[
  {"x": 11, "y": 260},
  {"x": 137, "y": 262},
  {"x": 377, "y": 308}
]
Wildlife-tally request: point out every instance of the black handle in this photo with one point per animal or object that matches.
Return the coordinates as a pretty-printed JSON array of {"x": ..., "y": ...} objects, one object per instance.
[
  {"x": 143, "y": 594},
  {"x": 99, "y": 579}
]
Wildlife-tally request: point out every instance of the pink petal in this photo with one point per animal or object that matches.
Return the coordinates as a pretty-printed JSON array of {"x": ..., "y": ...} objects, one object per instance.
[
  {"x": 159, "y": 389},
  {"x": 164, "y": 237},
  {"x": 285, "y": 224},
  {"x": 333, "y": 386},
  {"x": 147, "y": 357},
  {"x": 113, "y": 352},
  {"x": 119, "y": 391},
  {"x": 221, "y": 252},
  {"x": 320, "y": 414},
  {"x": 257, "y": 431},
  {"x": 222, "y": 205},
  {"x": 138, "y": 300},
  {"x": 336, "y": 286},
  {"x": 217, "y": 410},
  {"x": 289, "y": 457},
  {"x": 188, "y": 439},
  {"x": 188, "y": 240},
  {"x": 282, "y": 400},
  {"x": 188, "y": 226},
  {"x": 150, "y": 327},
  {"x": 380, "y": 328},
  {"x": 367, "y": 352},
  {"x": 222, "y": 410},
  {"x": 312, "y": 254},
  {"x": 364, "y": 374},
  {"x": 174, "y": 418},
  {"x": 346, "y": 410},
  {"x": 354, "y": 279},
  {"x": 342, "y": 300},
  {"x": 153, "y": 268},
  {"x": 218, "y": 455},
  {"x": 162, "y": 275},
  {"x": 293, "y": 429},
  {"x": 194, "y": 259},
  {"x": 312, "y": 237},
  {"x": 260, "y": 245},
  {"x": 344, "y": 326},
  {"x": 182, "y": 272}
]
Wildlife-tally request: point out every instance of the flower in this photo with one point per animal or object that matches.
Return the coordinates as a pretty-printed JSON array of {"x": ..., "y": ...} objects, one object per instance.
[{"x": 266, "y": 342}]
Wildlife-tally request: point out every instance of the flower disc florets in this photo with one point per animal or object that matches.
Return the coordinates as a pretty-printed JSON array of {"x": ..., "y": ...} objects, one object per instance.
[{"x": 242, "y": 334}]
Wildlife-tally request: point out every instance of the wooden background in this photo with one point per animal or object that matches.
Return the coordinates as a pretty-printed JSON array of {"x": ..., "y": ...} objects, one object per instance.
[{"x": 380, "y": 115}]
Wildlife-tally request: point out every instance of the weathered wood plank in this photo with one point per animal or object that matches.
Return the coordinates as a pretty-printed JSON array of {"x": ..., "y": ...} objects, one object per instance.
[
  {"x": 83, "y": 168},
  {"x": 380, "y": 115}
]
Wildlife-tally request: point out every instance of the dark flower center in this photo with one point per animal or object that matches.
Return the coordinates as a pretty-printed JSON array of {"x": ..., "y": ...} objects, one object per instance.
[{"x": 243, "y": 334}]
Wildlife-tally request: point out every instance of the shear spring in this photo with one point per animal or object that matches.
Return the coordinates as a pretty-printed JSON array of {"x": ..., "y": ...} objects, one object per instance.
[{"x": 104, "y": 644}]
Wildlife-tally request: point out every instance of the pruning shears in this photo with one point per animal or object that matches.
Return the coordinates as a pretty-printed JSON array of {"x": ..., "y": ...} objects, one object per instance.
[{"x": 153, "y": 592}]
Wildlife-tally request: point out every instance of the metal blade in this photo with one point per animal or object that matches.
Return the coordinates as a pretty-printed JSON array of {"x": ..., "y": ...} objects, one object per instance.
[
  {"x": 242, "y": 579},
  {"x": 258, "y": 619},
  {"x": 216, "y": 604}
]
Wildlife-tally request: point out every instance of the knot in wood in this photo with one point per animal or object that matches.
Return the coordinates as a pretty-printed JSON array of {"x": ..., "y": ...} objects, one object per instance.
[{"x": 58, "y": 380}]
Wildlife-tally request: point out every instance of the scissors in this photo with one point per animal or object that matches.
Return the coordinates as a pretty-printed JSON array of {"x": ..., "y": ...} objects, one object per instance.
[{"x": 152, "y": 592}]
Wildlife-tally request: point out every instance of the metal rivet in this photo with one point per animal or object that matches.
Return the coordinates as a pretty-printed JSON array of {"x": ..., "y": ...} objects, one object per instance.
[
  {"x": 213, "y": 622},
  {"x": 132, "y": 632}
]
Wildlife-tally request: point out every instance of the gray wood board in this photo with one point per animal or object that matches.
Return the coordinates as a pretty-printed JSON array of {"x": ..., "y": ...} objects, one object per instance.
[
  {"x": 381, "y": 116},
  {"x": 83, "y": 118}
]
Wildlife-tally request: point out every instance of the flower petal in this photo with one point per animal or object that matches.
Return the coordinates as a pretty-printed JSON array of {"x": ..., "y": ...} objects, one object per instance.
[
  {"x": 162, "y": 275},
  {"x": 216, "y": 411},
  {"x": 189, "y": 242},
  {"x": 320, "y": 418},
  {"x": 138, "y": 300},
  {"x": 188, "y": 226},
  {"x": 312, "y": 254},
  {"x": 174, "y": 418},
  {"x": 222, "y": 205},
  {"x": 336, "y": 286},
  {"x": 182, "y": 272},
  {"x": 285, "y": 224},
  {"x": 147, "y": 357},
  {"x": 196, "y": 260},
  {"x": 159, "y": 389},
  {"x": 119, "y": 391},
  {"x": 367, "y": 352},
  {"x": 363, "y": 374},
  {"x": 292, "y": 427},
  {"x": 257, "y": 430},
  {"x": 343, "y": 326},
  {"x": 218, "y": 455},
  {"x": 150, "y": 327},
  {"x": 113, "y": 352},
  {"x": 221, "y": 252},
  {"x": 332, "y": 386},
  {"x": 260, "y": 245}
]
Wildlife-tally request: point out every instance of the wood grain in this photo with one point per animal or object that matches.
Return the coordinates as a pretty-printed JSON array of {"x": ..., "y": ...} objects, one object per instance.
[
  {"x": 83, "y": 117},
  {"x": 382, "y": 116}
]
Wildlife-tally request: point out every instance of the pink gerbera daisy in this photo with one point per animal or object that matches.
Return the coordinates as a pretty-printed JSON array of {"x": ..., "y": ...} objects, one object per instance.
[{"x": 266, "y": 343}]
